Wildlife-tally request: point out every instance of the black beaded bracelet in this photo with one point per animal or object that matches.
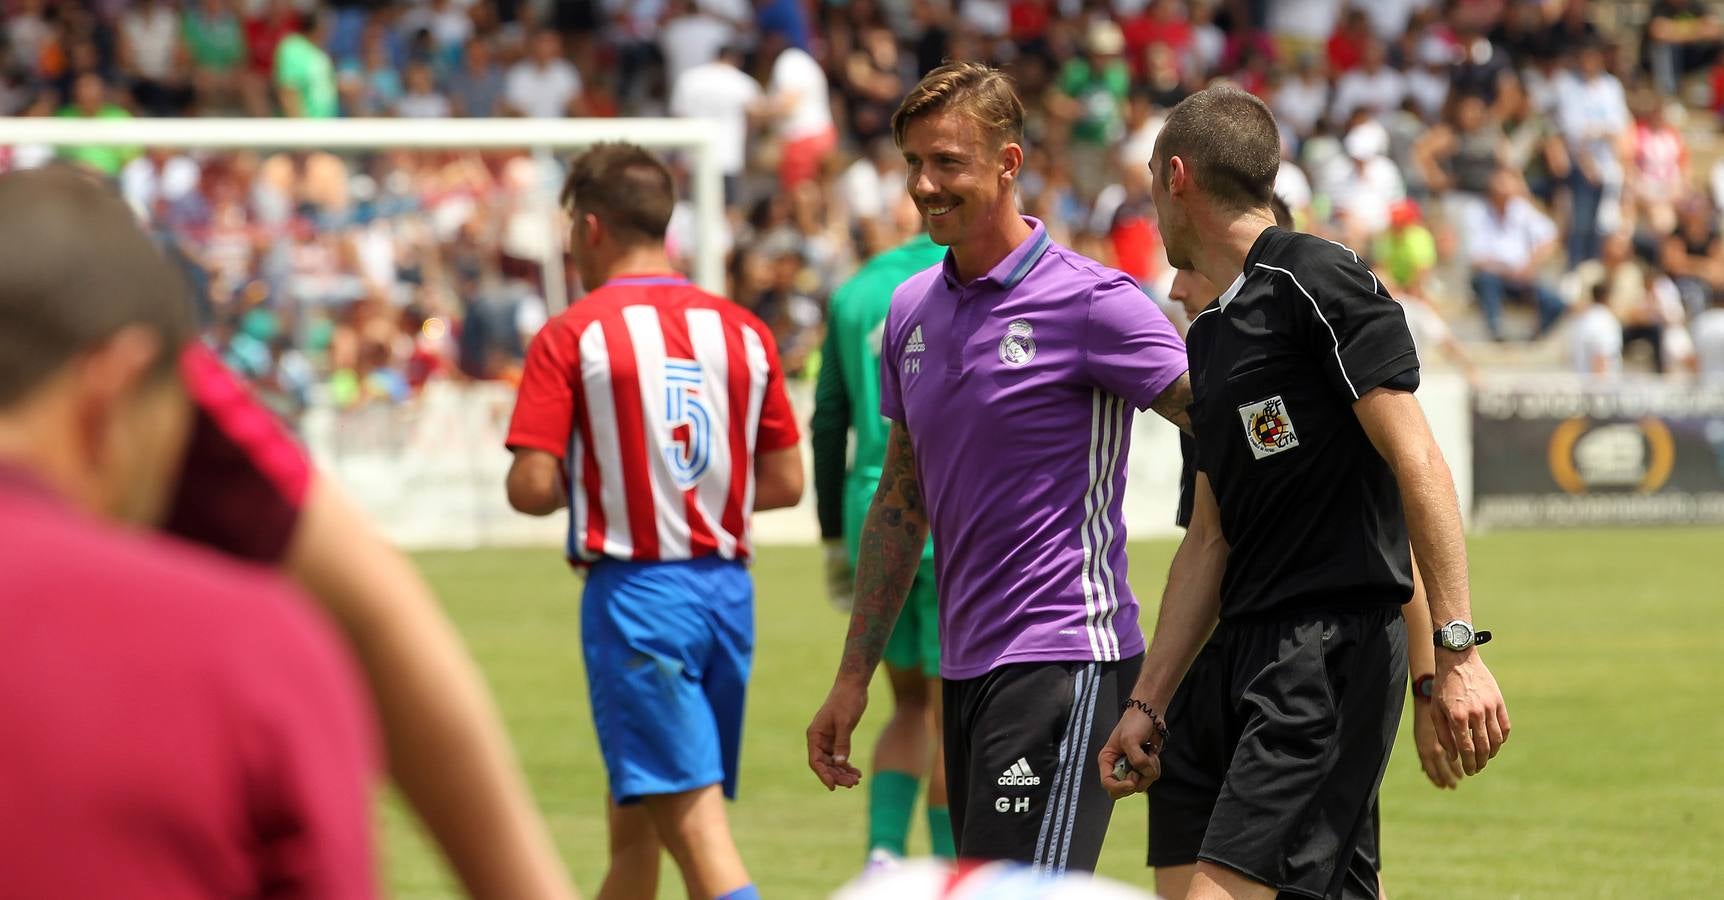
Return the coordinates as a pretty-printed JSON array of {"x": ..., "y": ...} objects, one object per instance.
[{"x": 1146, "y": 709}]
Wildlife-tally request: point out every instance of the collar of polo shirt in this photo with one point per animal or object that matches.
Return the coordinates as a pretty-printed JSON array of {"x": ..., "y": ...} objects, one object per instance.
[{"x": 1011, "y": 270}]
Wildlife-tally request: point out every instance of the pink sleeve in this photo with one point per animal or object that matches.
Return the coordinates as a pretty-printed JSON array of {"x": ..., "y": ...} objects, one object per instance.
[{"x": 245, "y": 478}]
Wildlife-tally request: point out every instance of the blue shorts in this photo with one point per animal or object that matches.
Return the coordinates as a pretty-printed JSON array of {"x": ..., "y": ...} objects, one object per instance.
[{"x": 668, "y": 646}]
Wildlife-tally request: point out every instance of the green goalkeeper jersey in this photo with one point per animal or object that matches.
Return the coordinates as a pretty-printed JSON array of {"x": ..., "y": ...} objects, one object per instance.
[{"x": 847, "y": 395}]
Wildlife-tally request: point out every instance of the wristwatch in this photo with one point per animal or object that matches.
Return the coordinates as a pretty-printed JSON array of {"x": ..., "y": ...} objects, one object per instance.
[
  {"x": 1459, "y": 635},
  {"x": 1424, "y": 687}
]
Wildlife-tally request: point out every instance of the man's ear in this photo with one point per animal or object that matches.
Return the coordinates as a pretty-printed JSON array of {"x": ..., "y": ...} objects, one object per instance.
[
  {"x": 1011, "y": 162},
  {"x": 109, "y": 376},
  {"x": 1179, "y": 177}
]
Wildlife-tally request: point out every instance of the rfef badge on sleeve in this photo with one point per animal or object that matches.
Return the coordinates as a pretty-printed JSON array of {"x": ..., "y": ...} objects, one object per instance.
[{"x": 1268, "y": 427}]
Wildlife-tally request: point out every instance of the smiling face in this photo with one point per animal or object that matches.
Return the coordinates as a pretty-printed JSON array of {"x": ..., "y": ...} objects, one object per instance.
[{"x": 960, "y": 176}]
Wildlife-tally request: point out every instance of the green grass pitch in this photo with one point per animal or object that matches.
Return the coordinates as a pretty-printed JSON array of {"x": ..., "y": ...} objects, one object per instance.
[{"x": 1609, "y": 647}]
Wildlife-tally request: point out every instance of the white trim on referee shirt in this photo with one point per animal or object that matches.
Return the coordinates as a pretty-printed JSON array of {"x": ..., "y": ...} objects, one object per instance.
[
  {"x": 1319, "y": 310},
  {"x": 1360, "y": 262}
]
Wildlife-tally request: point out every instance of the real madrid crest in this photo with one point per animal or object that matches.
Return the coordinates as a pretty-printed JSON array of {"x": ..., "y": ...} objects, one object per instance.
[{"x": 1017, "y": 347}]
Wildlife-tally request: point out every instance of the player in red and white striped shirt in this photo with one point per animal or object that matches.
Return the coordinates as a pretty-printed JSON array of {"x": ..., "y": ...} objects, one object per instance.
[
  {"x": 656, "y": 412},
  {"x": 657, "y": 395}
]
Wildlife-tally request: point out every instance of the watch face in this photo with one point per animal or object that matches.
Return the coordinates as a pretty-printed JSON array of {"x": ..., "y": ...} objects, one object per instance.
[{"x": 1457, "y": 634}]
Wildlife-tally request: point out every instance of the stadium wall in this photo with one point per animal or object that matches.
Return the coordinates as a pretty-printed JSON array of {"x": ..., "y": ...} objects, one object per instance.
[{"x": 431, "y": 471}]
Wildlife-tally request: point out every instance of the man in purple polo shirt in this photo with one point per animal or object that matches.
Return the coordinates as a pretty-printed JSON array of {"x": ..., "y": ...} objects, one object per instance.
[{"x": 1010, "y": 373}]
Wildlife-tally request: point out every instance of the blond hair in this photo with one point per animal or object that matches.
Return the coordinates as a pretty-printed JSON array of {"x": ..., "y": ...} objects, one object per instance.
[{"x": 983, "y": 93}]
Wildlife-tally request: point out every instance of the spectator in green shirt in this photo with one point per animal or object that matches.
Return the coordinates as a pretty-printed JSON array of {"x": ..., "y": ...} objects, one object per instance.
[
  {"x": 90, "y": 101},
  {"x": 215, "y": 41},
  {"x": 1405, "y": 255},
  {"x": 1095, "y": 86},
  {"x": 1407, "y": 251},
  {"x": 213, "y": 37},
  {"x": 305, "y": 74}
]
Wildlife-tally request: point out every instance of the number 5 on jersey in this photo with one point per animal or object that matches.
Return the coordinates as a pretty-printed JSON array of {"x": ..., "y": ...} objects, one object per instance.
[{"x": 690, "y": 448}]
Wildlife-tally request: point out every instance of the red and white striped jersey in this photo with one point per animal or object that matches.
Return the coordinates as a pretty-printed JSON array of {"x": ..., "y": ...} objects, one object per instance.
[{"x": 656, "y": 396}]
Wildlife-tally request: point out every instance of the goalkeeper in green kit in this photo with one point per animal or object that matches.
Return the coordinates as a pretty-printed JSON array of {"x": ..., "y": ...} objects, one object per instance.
[{"x": 846, "y": 400}]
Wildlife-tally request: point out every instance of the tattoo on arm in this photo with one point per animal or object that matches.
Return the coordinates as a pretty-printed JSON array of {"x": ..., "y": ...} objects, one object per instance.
[
  {"x": 1172, "y": 403},
  {"x": 891, "y": 550}
]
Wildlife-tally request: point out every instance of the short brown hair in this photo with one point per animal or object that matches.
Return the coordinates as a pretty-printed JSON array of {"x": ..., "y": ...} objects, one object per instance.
[
  {"x": 983, "y": 93},
  {"x": 1229, "y": 139},
  {"x": 625, "y": 186},
  {"x": 75, "y": 268}
]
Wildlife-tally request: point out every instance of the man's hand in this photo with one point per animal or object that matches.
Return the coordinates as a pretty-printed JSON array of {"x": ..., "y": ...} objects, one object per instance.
[
  {"x": 829, "y": 735},
  {"x": 1443, "y": 771},
  {"x": 840, "y": 577},
  {"x": 1471, "y": 718},
  {"x": 1126, "y": 743}
]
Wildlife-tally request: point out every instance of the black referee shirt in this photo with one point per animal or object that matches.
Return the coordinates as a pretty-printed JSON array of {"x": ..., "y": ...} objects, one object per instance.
[{"x": 1311, "y": 512}]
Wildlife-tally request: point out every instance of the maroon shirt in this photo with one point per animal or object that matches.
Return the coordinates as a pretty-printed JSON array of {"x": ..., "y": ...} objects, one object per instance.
[
  {"x": 172, "y": 724},
  {"x": 244, "y": 479}
]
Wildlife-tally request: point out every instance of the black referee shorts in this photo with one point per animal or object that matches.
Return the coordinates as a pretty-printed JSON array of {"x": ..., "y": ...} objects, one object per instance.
[
  {"x": 1279, "y": 736},
  {"x": 1021, "y": 776}
]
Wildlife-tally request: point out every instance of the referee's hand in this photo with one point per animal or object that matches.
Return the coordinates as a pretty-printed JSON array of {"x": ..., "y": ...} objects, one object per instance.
[
  {"x": 829, "y": 735},
  {"x": 1472, "y": 719},
  {"x": 1126, "y": 744}
]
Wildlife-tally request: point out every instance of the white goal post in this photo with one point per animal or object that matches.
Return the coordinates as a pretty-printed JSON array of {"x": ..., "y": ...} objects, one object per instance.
[{"x": 541, "y": 136}]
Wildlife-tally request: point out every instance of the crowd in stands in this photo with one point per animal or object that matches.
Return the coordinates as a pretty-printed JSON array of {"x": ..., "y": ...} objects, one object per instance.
[{"x": 1518, "y": 172}]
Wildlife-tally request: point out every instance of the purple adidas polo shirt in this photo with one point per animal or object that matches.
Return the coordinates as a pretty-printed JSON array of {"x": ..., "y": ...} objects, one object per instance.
[{"x": 1017, "y": 389}]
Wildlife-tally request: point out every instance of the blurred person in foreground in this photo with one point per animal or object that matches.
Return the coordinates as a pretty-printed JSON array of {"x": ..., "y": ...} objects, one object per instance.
[
  {"x": 656, "y": 413},
  {"x": 927, "y": 879},
  {"x": 247, "y": 490},
  {"x": 1315, "y": 467},
  {"x": 846, "y": 402},
  {"x": 188, "y": 744}
]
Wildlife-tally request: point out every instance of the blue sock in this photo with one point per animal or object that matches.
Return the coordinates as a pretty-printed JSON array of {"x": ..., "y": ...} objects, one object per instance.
[{"x": 746, "y": 892}]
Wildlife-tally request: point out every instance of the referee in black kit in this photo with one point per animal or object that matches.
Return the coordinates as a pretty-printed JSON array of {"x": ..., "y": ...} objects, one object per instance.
[{"x": 1315, "y": 464}]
